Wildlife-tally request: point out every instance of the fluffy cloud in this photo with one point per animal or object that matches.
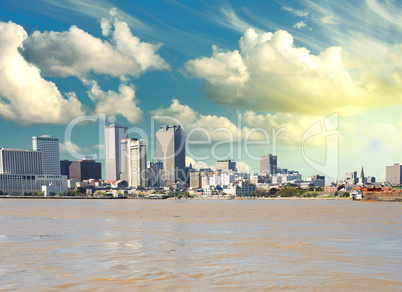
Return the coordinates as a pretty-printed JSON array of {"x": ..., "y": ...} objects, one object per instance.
[
  {"x": 25, "y": 96},
  {"x": 299, "y": 25},
  {"x": 200, "y": 127},
  {"x": 270, "y": 73},
  {"x": 196, "y": 164},
  {"x": 112, "y": 102},
  {"x": 299, "y": 13},
  {"x": 283, "y": 129},
  {"x": 64, "y": 147},
  {"x": 77, "y": 53}
]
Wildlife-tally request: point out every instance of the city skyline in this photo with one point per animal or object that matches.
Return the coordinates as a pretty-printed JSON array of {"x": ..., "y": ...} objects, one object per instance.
[{"x": 314, "y": 60}]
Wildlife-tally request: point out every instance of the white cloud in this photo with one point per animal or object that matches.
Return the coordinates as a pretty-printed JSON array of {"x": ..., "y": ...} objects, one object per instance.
[
  {"x": 113, "y": 103},
  {"x": 329, "y": 19},
  {"x": 299, "y": 25},
  {"x": 270, "y": 73},
  {"x": 384, "y": 133},
  {"x": 243, "y": 167},
  {"x": 25, "y": 97},
  {"x": 78, "y": 53},
  {"x": 68, "y": 144},
  {"x": 255, "y": 127},
  {"x": 203, "y": 126},
  {"x": 196, "y": 164},
  {"x": 299, "y": 13}
]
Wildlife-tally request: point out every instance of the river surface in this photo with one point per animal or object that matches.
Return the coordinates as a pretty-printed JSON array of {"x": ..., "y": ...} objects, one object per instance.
[{"x": 200, "y": 245}]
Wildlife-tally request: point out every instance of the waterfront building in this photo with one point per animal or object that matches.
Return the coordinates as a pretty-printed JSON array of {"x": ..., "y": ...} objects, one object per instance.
[
  {"x": 268, "y": 165},
  {"x": 393, "y": 174},
  {"x": 113, "y": 136},
  {"x": 240, "y": 189},
  {"x": 170, "y": 149},
  {"x": 18, "y": 161},
  {"x": 134, "y": 162},
  {"x": 50, "y": 153},
  {"x": 351, "y": 178}
]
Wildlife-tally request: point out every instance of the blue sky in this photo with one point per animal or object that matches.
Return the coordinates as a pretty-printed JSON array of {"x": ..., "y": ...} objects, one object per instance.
[{"x": 266, "y": 65}]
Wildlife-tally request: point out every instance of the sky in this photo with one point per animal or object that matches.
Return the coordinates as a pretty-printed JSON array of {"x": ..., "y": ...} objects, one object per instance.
[{"x": 317, "y": 83}]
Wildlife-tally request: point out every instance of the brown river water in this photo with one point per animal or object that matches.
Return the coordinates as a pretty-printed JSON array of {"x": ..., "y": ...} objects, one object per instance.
[{"x": 200, "y": 245}]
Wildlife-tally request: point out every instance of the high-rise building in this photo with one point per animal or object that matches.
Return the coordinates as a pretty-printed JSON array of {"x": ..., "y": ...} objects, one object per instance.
[
  {"x": 65, "y": 167},
  {"x": 195, "y": 179},
  {"x": 22, "y": 171},
  {"x": 268, "y": 165},
  {"x": 50, "y": 153},
  {"x": 170, "y": 149},
  {"x": 17, "y": 161},
  {"x": 113, "y": 136},
  {"x": 393, "y": 174},
  {"x": 225, "y": 165},
  {"x": 134, "y": 162},
  {"x": 85, "y": 169},
  {"x": 155, "y": 174}
]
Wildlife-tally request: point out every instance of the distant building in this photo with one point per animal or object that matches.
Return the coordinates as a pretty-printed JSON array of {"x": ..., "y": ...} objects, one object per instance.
[
  {"x": 50, "y": 153},
  {"x": 17, "y": 161},
  {"x": 155, "y": 174},
  {"x": 226, "y": 165},
  {"x": 240, "y": 189},
  {"x": 21, "y": 171},
  {"x": 65, "y": 167},
  {"x": 317, "y": 180},
  {"x": 85, "y": 169},
  {"x": 113, "y": 136},
  {"x": 393, "y": 174},
  {"x": 170, "y": 149},
  {"x": 268, "y": 165},
  {"x": 351, "y": 178},
  {"x": 195, "y": 179},
  {"x": 134, "y": 162}
]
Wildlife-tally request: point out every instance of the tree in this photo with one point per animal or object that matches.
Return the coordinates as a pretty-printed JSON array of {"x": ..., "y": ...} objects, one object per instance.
[
  {"x": 336, "y": 194},
  {"x": 1, "y": 193},
  {"x": 41, "y": 194},
  {"x": 52, "y": 194},
  {"x": 77, "y": 192},
  {"x": 346, "y": 194}
]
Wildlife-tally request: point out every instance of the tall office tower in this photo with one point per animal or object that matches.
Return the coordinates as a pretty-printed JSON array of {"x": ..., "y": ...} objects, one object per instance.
[
  {"x": 393, "y": 174},
  {"x": 85, "y": 169},
  {"x": 50, "y": 153},
  {"x": 155, "y": 174},
  {"x": 225, "y": 165},
  {"x": 113, "y": 136},
  {"x": 17, "y": 161},
  {"x": 134, "y": 162},
  {"x": 268, "y": 165},
  {"x": 170, "y": 149}
]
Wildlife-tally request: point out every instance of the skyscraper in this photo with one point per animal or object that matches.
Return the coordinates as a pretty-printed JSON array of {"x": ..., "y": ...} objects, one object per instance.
[
  {"x": 50, "y": 153},
  {"x": 268, "y": 165},
  {"x": 393, "y": 174},
  {"x": 170, "y": 149},
  {"x": 113, "y": 136},
  {"x": 225, "y": 165},
  {"x": 134, "y": 162}
]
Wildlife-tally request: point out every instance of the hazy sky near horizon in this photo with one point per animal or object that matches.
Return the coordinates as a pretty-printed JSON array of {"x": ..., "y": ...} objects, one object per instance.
[{"x": 262, "y": 65}]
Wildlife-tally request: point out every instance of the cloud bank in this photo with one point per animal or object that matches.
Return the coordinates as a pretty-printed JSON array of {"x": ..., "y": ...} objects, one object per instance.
[
  {"x": 270, "y": 73},
  {"x": 25, "y": 97}
]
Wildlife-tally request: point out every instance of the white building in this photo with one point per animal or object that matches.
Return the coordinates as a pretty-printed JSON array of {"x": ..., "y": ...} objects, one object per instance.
[
  {"x": 240, "y": 189},
  {"x": 215, "y": 180},
  {"x": 113, "y": 136},
  {"x": 227, "y": 178},
  {"x": 134, "y": 166},
  {"x": 52, "y": 189},
  {"x": 50, "y": 153},
  {"x": 18, "y": 161}
]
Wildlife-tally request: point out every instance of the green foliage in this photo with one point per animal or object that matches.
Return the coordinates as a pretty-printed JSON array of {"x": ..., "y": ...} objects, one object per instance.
[
  {"x": 336, "y": 194},
  {"x": 346, "y": 194},
  {"x": 77, "y": 192},
  {"x": 41, "y": 194},
  {"x": 310, "y": 194},
  {"x": 52, "y": 194},
  {"x": 288, "y": 191}
]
